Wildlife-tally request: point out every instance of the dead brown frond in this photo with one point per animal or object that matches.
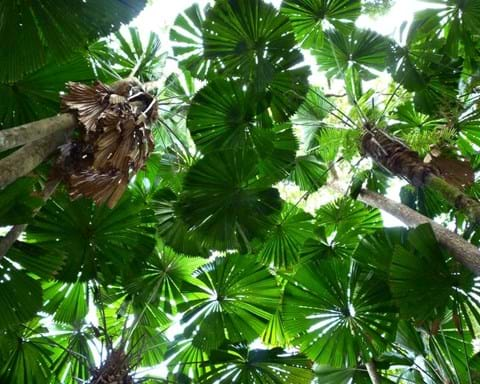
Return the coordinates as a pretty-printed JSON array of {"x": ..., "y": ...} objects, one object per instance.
[{"x": 114, "y": 141}]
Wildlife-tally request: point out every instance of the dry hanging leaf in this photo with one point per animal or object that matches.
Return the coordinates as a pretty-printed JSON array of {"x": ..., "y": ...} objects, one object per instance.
[{"x": 114, "y": 141}]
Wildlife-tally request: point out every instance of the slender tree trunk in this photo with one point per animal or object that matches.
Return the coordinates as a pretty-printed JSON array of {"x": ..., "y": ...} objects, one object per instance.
[
  {"x": 397, "y": 158},
  {"x": 463, "y": 251},
  {"x": 28, "y": 157},
  {"x": 372, "y": 372},
  {"x": 26, "y": 133},
  {"x": 15, "y": 232}
]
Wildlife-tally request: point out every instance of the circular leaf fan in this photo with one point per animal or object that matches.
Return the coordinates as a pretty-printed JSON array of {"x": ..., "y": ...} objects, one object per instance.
[
  {"x": 49, "y": 28},
  {"x": 238, "y": 363},
  {"x": 224, "y": 114},
  {"x": 311, "y": 17},
  {"x": 94, "y": 239},
  {"x": 171, "y": 228},
  {"x": 249, "y": 39},
  {"x": 186, "y": 359},
  {"x": 310, "y": 173},
  {"x": 238, "y": 299},
  {"x": 282, "y": 246},
  {"x": 276, "y": 149},
  {"x": 166, "y": 276},
  {"x": 226, "y": 201},
  {"x": 186, "y": 36},
  {"x": 338, "y": 312},
  {"x": 349, "y": 216},
  {"x": 362, "y": 51}
]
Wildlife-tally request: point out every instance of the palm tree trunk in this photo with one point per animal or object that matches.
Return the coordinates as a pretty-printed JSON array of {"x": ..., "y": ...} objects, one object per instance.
[
  {"x": 372, "y": 372},
  {"x": 397, "y": 158},
  {"x": 28, "y": 157},
  {"x": 26, "y": 133},
  {"x": 463, "y": 251}
]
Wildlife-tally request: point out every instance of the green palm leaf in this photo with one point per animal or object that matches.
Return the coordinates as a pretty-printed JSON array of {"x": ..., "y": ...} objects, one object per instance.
[
  {"x": 375, "y": 250},
  {"x": 410, "y": 120},
  {"x": 134, "y": 56},
  {"x": 327, "y": 375},
  {"x": 310, "y": 18},
  {"x": 434, "y": 278},
  {"x": 274, "y": 334},
  {"x": 222, "y": 114},
  {"x": 36, "y": 95},
  {"x": 49, "y": 29},
  {"x": 310, "y": 115},
  {"x": 239, "y": 364},
  {"x": 338, "y": 313},
  {"x": 236, "y": 303},
  {"x": 68, "y": 303},
  {"x": 363, "y": 51},
  {"x": 171, "y": 227},
  {"x": 183, "y": 357},
  {"x": 226, "y": 201},
  {"x": 276, "y": 149},
  {"x": 248, "y": 38},
  {"x": 285, "y": 239},
  {"x": 310, "y": 173},
  {"x": 226, "y": 115},
  {"x": 166, "y": 276},
  {"x": 147, "y": 342},
  {"x": 431, "y": 73},
  {"x": 20, "y": 295},
  {"x": 75, "y": 361},
  {"x": 28, "y": 358},
  {"x": 17, "y": 201},
  {"x": 424, "y": 280},
  {"x": 94, "y": 239},
  {"x": 343, "y": 222},
  {"x": 348, "y": 215},
  {"x": 187, "y": 40},
  {"x": 35, "y": 260}
]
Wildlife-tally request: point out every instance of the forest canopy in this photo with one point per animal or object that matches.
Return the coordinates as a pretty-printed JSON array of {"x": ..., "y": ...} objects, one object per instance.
[{"x": 257, "y": 193}]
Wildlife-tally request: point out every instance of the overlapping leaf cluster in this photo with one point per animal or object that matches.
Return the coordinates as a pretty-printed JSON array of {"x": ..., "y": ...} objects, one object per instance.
[{"x": 203, "y": 242}]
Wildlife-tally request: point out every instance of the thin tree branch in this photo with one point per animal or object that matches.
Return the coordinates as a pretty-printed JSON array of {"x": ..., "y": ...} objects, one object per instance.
[
  {"x": 465, "y": 252},
  {"x": 372, "y": 372}
]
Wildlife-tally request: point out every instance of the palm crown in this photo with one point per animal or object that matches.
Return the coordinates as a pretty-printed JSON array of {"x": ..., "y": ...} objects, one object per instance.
[{"x": 207, "y": 264}]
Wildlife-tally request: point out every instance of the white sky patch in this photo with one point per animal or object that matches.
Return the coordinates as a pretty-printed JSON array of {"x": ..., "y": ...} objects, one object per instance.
[{"x": 402, "y": 12}]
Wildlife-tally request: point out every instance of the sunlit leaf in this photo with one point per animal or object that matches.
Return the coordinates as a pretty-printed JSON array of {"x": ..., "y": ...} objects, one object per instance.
[{"x": 338, "y": 312}]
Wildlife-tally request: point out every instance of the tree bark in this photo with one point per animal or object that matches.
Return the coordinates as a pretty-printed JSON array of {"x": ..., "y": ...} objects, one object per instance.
[
  {"x": 27, "y": 133},
  {"x": 372, "y": 372},
  {"x": 463, "y": 251},
  {"x": 396, "y": 157},
  {"x": 28, "y": 157},
  {"x": 470, "y": 207}
]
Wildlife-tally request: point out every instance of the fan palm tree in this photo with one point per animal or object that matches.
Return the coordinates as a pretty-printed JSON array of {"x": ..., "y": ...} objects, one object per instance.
[{"x": 205, "y": 265}]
